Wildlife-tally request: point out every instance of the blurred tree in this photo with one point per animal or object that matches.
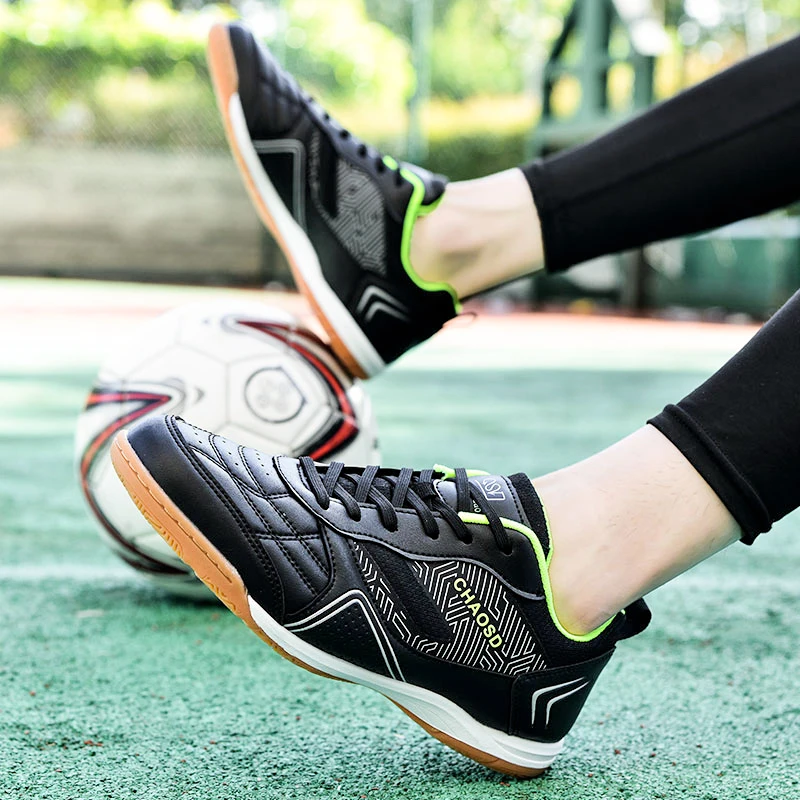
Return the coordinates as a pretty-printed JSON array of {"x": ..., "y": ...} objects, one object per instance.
[
  {"x": 338, "y": 49},
  {"x": 111, "y": 69},
  {"x": 396, "y": 14},
  {"x": 479, "y": 47},
  {"x": 699, "y": 21}
]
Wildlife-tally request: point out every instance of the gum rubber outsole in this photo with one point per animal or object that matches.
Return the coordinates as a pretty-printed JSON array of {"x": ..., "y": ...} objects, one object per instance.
[
  {"x": 225, "y": 78},
  {"x": 216, "y": 572}
]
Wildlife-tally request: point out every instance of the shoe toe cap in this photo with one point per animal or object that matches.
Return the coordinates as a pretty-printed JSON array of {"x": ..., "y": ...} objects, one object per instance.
[
  {"x": 270, "y": 96},
  {"x": 198, "y": 472}
]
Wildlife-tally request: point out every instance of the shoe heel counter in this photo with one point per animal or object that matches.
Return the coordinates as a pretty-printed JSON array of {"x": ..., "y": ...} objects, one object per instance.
[{"x": 545, "y": 704}]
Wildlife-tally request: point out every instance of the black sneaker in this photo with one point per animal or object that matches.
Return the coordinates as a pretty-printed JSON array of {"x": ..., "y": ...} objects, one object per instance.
[
  {"x": 342, "y": 212},
  {"x": 430, "y": 587}
]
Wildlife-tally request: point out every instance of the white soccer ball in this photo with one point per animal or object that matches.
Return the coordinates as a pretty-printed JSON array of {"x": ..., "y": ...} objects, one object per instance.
[{"x": 249, "y": 372}]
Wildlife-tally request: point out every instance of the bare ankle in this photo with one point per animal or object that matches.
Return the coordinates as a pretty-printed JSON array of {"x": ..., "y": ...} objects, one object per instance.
[
  {"x": 483, "y": 233},
  {"x": 441, "y": 246},
  {"x": 578, "y": 612},
  {"x": 617, "y": 528}
]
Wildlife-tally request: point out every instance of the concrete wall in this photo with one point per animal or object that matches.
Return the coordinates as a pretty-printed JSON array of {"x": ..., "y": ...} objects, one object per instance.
[{"x": 129, "y": 214}]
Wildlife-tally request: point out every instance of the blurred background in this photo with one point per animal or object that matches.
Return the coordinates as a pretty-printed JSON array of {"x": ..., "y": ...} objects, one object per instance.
[{"x": 113, "y": 162}]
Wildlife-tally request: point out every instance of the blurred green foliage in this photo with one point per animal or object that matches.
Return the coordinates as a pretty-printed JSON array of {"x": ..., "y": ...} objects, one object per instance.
[
  {"x": 62, "y": 62},
  {"x": 480, "y": 46},
  {"x": 66, "y": 62},
  {"x": 133, "y": 72},
  {"x": 462, "y": 156},
  {"x": 338, "y": 51}
]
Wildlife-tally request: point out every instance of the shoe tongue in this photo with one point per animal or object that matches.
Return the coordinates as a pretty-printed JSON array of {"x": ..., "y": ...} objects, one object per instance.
[{"x": 512, "y": 498}]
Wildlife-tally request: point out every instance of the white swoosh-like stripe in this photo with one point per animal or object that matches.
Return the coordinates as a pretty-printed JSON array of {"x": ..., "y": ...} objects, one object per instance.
[
  {"x": 434, "y": 709},
  {"x": 539, "y": 692},
  {"x": 380, "y": 294},
  {"x": 387, "y": 309},
  {"x": 354, "y": 596},
  {"x": 561, "y": 697}
]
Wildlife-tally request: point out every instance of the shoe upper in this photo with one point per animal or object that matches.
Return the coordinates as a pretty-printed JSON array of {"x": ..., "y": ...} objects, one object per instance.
[
  {"x": 434, "y": 577},
  {"x": 356, "y": 206}
]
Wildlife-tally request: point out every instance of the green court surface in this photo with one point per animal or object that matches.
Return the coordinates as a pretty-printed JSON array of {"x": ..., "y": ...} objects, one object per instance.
[{"x": 109, "y": 688}]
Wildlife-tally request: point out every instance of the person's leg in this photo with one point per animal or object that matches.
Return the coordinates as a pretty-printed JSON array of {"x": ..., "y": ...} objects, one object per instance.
[
  {"x": 719, "y": 152},
  {"x": 722, "y": 464},
  {"x": 483, "y": 233},
  {"x": 385, "y": 250},
  {"x": 484, "y": 605},
  {"x": 645, "y": 515}
]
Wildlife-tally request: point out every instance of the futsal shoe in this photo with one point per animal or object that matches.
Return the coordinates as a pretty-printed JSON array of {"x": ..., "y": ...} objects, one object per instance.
[
  {"x": 430, "y": 586},
  {"x": 341, "y": 211}
]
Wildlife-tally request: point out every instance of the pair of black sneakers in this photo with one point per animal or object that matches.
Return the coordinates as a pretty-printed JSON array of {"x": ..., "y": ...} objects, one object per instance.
[{"x": 431, "y": 586}]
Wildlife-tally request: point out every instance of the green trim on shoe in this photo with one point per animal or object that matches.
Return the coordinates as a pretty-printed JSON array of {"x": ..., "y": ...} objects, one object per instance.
[
  {"x": 449, "y": 473},
  {"x": 480, "y": 519},
  {"x": 425, "y": 210},
  {"x": 413, "y": 212}
]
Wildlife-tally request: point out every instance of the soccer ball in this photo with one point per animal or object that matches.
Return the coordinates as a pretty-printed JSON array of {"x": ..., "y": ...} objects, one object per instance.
[{"x": 249, "y": 372}]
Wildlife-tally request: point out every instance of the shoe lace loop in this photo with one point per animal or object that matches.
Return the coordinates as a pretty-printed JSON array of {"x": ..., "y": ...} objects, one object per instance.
[
  {"x": 404, "y": 489},
  {"x": 362, "y": 149}
]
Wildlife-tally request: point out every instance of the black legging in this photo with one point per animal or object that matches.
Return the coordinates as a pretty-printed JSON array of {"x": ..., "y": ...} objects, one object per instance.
[
  {"x": 741, "y": 428},
  {"x": 724, "y": 150}
]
